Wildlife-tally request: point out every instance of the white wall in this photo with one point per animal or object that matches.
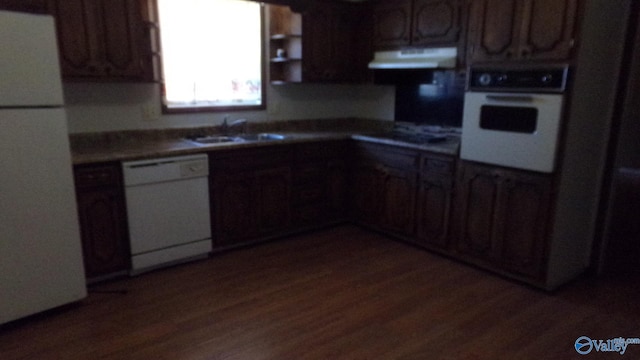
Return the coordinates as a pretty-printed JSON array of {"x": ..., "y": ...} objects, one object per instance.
[{"x": 93, "y": 107}]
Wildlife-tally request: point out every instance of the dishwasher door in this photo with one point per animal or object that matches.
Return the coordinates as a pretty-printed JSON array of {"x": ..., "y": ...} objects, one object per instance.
[{"x": 168, "y": 210}]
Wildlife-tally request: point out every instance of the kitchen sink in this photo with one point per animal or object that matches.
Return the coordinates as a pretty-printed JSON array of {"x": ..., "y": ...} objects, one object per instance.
[
  {"x": 218, "y": 139},
  {"x": 262, "y": 137},
  {"x": 214, "y": 139}
]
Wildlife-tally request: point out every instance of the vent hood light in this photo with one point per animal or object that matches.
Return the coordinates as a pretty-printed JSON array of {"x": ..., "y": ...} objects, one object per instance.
[{"x": 436, "y": 58}]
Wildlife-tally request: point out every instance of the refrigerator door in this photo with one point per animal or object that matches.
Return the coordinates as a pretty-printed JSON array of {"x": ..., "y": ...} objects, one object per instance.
[
  {"x": 29, "y": 66},
  {"x": 40, "y": 250}
]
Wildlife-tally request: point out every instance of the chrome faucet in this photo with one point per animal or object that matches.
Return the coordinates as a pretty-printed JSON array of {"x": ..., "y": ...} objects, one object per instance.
[{"x": 227, "y": 128}]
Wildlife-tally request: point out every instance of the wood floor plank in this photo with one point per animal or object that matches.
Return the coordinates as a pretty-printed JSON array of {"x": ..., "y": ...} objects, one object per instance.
[{"x": 341, "y": 293}]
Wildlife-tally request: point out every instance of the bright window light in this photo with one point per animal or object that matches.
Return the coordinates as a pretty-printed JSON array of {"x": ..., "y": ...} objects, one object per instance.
[{"x": 211, "y": 53}]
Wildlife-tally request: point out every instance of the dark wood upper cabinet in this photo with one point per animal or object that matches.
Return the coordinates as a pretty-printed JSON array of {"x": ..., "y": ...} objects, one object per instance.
[
  {"x": 392, "y": 24},
  {"x": 29, "y": 6},
  {"x": 328, "y": 42},
  {"x": 436, "y": 22},
  {"x": 333, "y": 49},
  {"x": 417, "y": 23},
  {"x": 103, "y": 39},
  {"x": 506, "y": 30}
]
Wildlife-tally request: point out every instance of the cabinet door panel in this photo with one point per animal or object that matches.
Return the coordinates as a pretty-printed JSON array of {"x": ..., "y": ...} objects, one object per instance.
[
  {"x": 526, "y": 205},
  {"x": 496, "y": 27},
  {"x": 434, "y": 206},
  {"x": 317, "y": 48},
  {"x": 102, "y": 39},
  {"x": 75, "y": 45},
  {"x": 366, "y": 199},
  {"x": 549, "y": 32},
  {"x": 103, "y": 220},
  {"x": 121, "y": 36},
  {"x": 273, "y": 199},
  {"x": 392, "y": 24},
  {"x": 435, "y": 22},
  {"x": 105, "y": 247},
  {"x": 479, "y": 197},
  {"x": 234, "y": 214},
  {"x": 398, "y": 198}
]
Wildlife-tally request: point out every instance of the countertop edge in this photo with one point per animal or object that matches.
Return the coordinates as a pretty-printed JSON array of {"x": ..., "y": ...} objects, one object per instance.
[{"x": 177, "y": 147}]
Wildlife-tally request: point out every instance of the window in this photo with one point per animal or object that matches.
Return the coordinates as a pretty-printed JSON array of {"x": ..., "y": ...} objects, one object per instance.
[{"x": 211, "y": 54}]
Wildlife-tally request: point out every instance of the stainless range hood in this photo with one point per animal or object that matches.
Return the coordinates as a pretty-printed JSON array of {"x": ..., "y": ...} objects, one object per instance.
[{"x": 426, "y": 58}]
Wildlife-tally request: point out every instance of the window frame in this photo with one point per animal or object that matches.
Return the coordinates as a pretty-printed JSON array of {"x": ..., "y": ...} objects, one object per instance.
[{"x": 217, "y": 109}]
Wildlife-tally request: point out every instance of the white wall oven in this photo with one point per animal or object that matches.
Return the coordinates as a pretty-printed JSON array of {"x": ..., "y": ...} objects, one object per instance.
[{"x": 512, "y": 116}]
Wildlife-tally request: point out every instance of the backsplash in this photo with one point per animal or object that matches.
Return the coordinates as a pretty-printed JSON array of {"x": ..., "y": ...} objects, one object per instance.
[{"x": 95, "y": 107}]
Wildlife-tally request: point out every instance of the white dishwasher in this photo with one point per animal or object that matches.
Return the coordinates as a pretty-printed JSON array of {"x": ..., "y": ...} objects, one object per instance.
[{"x": 168, "y": 210}]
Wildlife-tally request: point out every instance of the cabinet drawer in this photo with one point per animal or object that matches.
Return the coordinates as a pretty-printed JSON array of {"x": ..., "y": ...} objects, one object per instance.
[
  {"x": 387, "y": 155},
  {"x": 94, "y": 176},
  {"x": 250, "y": 159}
]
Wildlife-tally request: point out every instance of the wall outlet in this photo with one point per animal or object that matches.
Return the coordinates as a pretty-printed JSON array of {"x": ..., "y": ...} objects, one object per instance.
[{"x": 150, "y": 112}]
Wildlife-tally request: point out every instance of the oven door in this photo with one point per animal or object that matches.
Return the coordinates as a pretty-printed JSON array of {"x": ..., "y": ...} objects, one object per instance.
[{"x": 512, "y": 129}]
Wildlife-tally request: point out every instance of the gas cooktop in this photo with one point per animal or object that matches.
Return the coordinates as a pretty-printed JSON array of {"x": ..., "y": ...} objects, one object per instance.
[{"x": 414, "y": 138}]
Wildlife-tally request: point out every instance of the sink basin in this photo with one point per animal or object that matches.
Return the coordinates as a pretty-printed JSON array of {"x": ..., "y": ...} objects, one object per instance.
[
  {"x": 218, "y": 139},
  {"x": 262, "y": 137},
  {"x": 214, "y": 139}
]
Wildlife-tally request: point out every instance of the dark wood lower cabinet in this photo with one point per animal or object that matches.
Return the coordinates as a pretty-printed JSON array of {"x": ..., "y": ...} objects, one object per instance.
[
  {"x": 490, "y": 216},
  {"x": 319, "y": 184},
  {"x": 503, "y": 217},
  {"x": 384, "y": 183},
  {"x": 398, "y": 187},
  {"x": 250, "y": 195},
  {"x": 233, "y": 208},
  {"x": 434, "y": 201},
  {"x": 103, "y": 220}
]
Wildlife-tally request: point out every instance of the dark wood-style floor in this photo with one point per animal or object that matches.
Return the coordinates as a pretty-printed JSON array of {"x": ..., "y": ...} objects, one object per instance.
[{"x": 343, "y": 293}]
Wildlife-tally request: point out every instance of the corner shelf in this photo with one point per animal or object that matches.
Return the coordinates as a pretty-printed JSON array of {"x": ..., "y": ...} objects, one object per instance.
[{"x": 285, "y": 35}]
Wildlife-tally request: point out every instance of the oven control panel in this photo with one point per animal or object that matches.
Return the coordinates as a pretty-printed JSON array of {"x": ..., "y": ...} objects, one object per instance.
[{"x": 542, "y": 79}]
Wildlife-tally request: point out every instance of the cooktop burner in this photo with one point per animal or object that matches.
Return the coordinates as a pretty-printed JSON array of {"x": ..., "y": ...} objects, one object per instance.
[{"x": 420, "y": 134}]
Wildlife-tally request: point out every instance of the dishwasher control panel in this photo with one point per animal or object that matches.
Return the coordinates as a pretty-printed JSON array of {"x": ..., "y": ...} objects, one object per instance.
[
  {"x": 194, "y": 168},
  {"x": 165, "y": 169}
]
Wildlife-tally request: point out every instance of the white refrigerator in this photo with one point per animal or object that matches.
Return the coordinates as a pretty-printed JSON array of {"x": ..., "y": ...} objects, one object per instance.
[{"x": 40, "y": 251}]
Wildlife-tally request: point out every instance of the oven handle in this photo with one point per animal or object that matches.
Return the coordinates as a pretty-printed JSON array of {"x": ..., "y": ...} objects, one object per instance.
[{"x": 513, "y": 98}]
